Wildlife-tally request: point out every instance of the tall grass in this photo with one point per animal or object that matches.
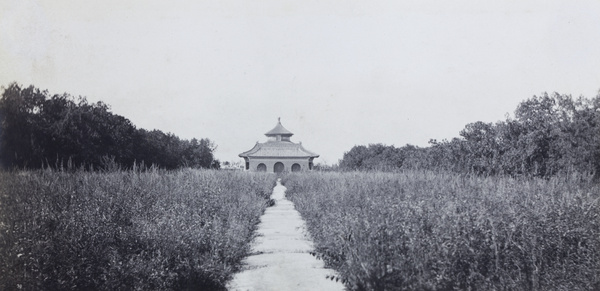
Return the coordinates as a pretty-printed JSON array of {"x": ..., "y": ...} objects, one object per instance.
[
  {"x": 441, "y": 231},
  {"x": 126, "y": 230}
]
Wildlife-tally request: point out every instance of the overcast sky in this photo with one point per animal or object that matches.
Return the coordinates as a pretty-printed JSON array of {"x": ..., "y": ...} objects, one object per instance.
[{"x": 338, "y": 73}]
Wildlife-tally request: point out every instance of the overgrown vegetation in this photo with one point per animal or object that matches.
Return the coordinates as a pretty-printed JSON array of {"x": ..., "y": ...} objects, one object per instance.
[
  {"x": 513, "y": 205},
  {"x": 42, "y": 130},
  {"x": 420, "y": 230},
  {"x": 550, "y": 134},
  {"x": 126, "y": 230}
]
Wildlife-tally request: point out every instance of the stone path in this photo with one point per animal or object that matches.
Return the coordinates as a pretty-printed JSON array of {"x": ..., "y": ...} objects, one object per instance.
[{"x": 280, "y": 258}]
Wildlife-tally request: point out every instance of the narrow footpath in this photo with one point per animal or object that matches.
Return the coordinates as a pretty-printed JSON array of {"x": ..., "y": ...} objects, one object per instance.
[{"x": 280, "y": 258}]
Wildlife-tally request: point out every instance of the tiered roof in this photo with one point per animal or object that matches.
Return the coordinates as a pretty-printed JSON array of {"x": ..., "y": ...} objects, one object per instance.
[
  {"x": 279, "y": 148},
  {"x": 279, "y": 130}
]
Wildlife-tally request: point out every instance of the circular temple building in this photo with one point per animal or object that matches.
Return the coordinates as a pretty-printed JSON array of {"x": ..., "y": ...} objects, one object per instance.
[{"x": 278, "y": 154}]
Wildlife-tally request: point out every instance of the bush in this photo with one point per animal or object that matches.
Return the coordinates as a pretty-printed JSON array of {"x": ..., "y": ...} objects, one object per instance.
[
  {"x": 441, "y": 231},
  {"x": 155, "y": 230}
]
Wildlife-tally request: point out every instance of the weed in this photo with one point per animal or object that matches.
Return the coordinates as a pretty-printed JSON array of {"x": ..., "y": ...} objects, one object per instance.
[
  {"x": 420, "y": 230},
  {"x": 126, "y": 230}
]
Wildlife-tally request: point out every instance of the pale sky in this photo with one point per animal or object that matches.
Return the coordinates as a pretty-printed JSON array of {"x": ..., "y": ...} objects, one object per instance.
[{"x": 338, "y": 73}]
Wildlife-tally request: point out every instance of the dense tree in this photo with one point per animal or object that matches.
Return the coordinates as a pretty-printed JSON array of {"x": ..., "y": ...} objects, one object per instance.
[
  {"x": 39, "y": 130},
  {"x": 374, "y": 157},
  {"x": 548, "y": 135}
]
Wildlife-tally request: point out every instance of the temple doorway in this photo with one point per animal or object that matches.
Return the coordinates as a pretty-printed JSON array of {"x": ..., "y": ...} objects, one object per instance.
[
  {"x": 261, "y": 168},
  {"x": 278, "y": 167}
]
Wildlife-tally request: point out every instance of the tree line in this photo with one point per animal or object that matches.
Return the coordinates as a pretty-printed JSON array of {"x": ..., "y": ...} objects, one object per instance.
[
  {"x": 41, "y": 130},
  {"x": 549, "y": 134}
]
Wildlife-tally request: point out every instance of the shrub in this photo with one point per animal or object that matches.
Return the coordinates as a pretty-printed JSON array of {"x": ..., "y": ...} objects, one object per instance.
[
  {"x": 442, "y": 231},
  {"x": 154, "y": 230}
]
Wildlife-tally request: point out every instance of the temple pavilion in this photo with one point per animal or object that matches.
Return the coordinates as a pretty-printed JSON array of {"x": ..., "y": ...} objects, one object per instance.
[{"x": 278, "y": 154}]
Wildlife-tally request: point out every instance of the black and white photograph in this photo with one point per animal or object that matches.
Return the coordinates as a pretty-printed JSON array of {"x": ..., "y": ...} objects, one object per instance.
[{"x": 300, "y": 145}]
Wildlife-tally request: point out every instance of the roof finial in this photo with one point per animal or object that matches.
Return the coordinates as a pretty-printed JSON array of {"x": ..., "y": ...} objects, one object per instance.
[{"x": 279, "y": 119}]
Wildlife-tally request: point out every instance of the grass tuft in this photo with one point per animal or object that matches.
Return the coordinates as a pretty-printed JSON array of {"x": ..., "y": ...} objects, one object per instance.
[
  {"x": 126, "y": 230},
  {"x": 420, "y": 230}
]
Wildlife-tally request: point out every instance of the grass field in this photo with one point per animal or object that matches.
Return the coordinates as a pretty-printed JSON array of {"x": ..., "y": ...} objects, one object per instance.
[
  {"x": 439, "y": 231},
  {"x": 131, "y": 230},
  {"x": 189, "y": 230}
]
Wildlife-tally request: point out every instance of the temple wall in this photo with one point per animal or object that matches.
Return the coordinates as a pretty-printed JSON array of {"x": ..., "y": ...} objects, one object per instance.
[{"x": 270, "y": 163}]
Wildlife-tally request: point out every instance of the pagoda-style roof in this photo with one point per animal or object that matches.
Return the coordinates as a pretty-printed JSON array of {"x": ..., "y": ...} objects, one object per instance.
[
  {"x": 278, "y": 146},
  {"x": 278, "y": 149},
  {"x": 279, "y": 130}
]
